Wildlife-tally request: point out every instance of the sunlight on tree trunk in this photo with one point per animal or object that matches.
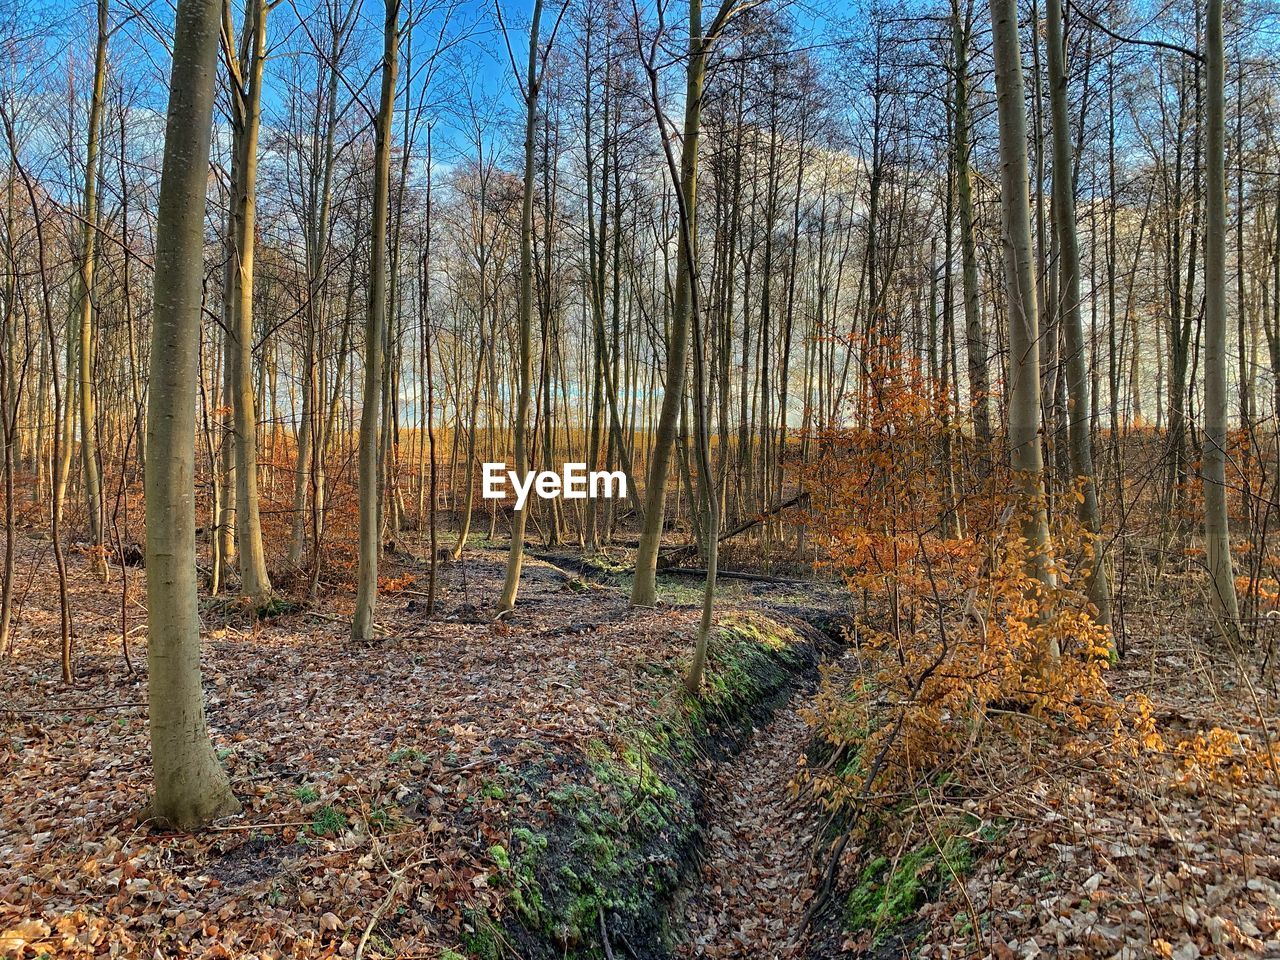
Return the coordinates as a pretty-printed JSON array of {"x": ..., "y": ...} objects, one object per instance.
[
  {"x": 519, "y": 518},
  {"x": 1217, "y": 532},
  {"x": 191, "y": 787},
  {"x": 644, "y": 589},
  {"x": 246, "y": 98},
  {"x": 976, "y": 349},
  {"x": 84, "y": 307},
  {"x": 1080, "y": 440},
  {"x": 362, "y": 625},
  {"x": 1020, "y": 289}
]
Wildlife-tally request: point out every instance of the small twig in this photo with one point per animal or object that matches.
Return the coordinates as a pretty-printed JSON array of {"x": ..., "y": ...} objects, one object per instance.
[
  {"x": 604, "y": 934},
  {"x": 377, "y": 915},
  {"x": 72, "y": 708}
]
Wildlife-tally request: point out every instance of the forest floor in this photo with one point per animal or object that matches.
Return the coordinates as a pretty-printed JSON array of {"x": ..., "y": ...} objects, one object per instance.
[
  {"x": 1075, "y": 848},
  {"x": 759, "y": 871},
  {"x": 397, "y": 796},
  {"x": 382, "y": 785}
]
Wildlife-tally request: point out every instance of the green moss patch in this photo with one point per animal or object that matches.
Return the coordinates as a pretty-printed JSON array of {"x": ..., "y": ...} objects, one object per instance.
[
  {"x": 619, "y": 824},
  {"x": 890, "y": 891}
]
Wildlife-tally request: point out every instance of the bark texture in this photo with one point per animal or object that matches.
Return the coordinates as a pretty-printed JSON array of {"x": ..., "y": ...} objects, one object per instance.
[
  {"x": 1217, "y": 533},
  {"x": 375, "y": 324},
  {"x": 191, "y": 787},
  {"x": 1080, "y": 439},
  {"x": 1019, "y": 272}
]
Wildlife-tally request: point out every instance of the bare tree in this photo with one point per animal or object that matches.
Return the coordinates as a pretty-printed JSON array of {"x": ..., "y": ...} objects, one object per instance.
[
  {"x": 1020, "y": 293},
  {"x": 191, "y": 787},
  {"x": 644, "y": 588},
  {"x": 530, "y": 87},
  {"x": 362, "y": 625},
  {"x": 1217, "y": 532},
  {"x": 245, "y": 63},
  {"x": 1080, "y": 444}
]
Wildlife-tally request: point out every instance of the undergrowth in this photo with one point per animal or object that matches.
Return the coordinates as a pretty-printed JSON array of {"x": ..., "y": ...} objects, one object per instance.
[
  {"x": 966, "y": 629},
  {"x": 621, "y": 821}
]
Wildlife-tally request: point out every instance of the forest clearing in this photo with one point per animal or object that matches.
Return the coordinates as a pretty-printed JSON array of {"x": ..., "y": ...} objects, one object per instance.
[{"x": 494, "y": 480}]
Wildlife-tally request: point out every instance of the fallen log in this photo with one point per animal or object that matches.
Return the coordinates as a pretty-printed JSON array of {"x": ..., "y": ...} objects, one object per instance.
[
  {"x": 727, "y": 575},
  {"x": 672, "y": 555}
]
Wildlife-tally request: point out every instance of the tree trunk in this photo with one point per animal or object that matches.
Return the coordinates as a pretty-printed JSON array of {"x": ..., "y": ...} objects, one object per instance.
[
  {"x": 520, "y": 517},
  {"x": 83, "y": 305},
  {"x": 975, "y": 340},
  {"x": 375, "y": 324},
  {"x": 644, "y": 590},
  {"x": 246, "y": 120},
  {"x": 1217, "y": 533},
  {"x": 1020, "y": 291},
  {"x": 191, "y": 788},
  {"x": 1080, "y": 440}
]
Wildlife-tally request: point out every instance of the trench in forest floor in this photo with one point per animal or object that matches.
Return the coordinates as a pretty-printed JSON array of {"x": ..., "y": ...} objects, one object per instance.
[
  {"x": 756, "y": 874},
  {"x": 748, "y": 854},
  {"x": 755, "y": 858}
]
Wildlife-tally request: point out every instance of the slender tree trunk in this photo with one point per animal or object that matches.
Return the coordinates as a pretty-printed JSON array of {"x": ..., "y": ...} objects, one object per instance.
[
  {"x": 429, "y": 375},
  {"x": 246, "y": 121},
  {"x": 191, "y": 788},
  {"x": 644, "y": 590},
  {"x": 375, "y": 323},
  {"x": 224, "y": 537},
  {"x": 1020, "y": 292},
  {"x": 67, "y": 425},
  {"x": 83, "y": 305},
  {"x": 975, "y": 340},
  {"x": 1213, "y": 452},
  {"x": 520, "y": 517},
  {"x": 1080, "y": 440},
  {"x": 10, "y": 405},
  {"x": 55, "y": 386}
]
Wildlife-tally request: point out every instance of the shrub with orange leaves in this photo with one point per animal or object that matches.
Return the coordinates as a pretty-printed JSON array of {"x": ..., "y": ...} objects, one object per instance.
[
  {"x": 927, "y": 694},
  {"x": 1223, "y": 757},
  {"x": 1264, "y": 592},
  {"x": 882, "y": 511},
  {"x": 955, "y": 629},
  {"x": 396, "y": 584}
]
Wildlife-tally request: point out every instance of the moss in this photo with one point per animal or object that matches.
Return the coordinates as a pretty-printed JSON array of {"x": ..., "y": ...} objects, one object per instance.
[
  {"x": 519, "y": 875},
  {"x": 478, "y": 936},
  {"x": 581, "y": 918},
  {"x": 528, "y": 838},
  {"x": 528, "y": 904},
  {"x": 276, "y": 607},
  {"x": 605, "y": 847},
  {"x": 602, "y": 563},
  {"x": 890, "y": 892},
  {"x": 570, "y": 796},
  {"x": 499, "y": 854},
  {"x": 745, "y": 645},
  {"x": 620, "y": 832},
  {"x": 596, "y": 848}
]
